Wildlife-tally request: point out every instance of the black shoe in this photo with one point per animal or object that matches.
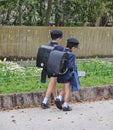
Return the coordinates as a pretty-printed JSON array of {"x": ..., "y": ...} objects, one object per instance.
[
  {"x": 67, "y": 108},
  {"x": 58, "y": 103},
  {"x": 44, "y": 106}
]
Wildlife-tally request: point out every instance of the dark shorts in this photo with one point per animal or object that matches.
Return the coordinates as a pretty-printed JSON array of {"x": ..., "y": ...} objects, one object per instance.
[
  {"x": 64, "y": 78},
  {"x": 52, "y": 75}
]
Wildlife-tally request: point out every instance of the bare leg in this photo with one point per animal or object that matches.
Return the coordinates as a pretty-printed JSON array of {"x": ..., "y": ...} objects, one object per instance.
[
  {"x": 67, "y": 97},
  {"x": 67, "y": 92},
  {"x": 62, "y": 92},
  {"x": 51, "y": 87}
]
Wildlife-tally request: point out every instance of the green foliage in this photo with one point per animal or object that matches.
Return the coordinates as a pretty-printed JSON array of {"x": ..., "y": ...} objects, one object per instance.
[
  {"x": 98, "y": 72},
  {"x": 14, "y": 78},
  {"x": 63, "y": 13},
  {"x": 97, "y": 67}
]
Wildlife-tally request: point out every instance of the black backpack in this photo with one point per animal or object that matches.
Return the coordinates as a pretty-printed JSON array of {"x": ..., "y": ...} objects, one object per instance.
[{"x": 52, "y": 60}]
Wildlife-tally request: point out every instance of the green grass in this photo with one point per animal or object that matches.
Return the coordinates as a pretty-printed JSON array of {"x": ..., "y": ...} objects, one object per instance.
[
  {"x": 27, "y": 79},
  {"x": 95, "y": 81},
  {"x": 98, "y": 73}
]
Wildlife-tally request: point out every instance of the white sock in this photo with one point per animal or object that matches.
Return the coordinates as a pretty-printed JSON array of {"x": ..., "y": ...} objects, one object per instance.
[
  {"x": 65, "y": 104},
  {"x": 60, "y": 97},
  {"x": 45, "y": 100},
  {"x": 55, "y": 98}
]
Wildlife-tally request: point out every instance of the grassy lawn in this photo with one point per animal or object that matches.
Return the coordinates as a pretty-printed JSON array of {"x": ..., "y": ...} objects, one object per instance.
[
  {"x": 98, "y": 73},
  {"x": 14, "y": 78}
]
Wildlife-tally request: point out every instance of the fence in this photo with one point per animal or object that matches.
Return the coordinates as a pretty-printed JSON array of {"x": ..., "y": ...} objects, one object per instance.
[{"x": 23, "y": 41}]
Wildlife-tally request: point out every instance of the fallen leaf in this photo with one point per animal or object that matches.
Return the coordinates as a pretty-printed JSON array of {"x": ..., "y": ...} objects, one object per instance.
[
  {"x": 12, "y": 116},
  {"x": 14, "y": 121},
  {"x": 72, "y": 121},
  {"x": 49, "y": 119}
]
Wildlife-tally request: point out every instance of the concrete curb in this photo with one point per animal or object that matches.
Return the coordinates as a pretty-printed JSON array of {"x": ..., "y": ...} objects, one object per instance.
[{"x": 35, "y": 98}]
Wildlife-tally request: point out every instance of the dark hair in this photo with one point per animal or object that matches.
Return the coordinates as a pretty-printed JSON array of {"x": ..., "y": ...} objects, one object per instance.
[
  {"x": 56, "y": 34},
  {"x": 72, "y": 42}
]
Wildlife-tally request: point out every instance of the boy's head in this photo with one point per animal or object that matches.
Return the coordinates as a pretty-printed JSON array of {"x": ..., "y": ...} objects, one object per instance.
[
  {"x": 72, "y": 42},
  {"x": 55, "y": 34}
]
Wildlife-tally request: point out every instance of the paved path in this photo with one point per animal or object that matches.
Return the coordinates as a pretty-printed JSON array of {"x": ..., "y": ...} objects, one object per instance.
[{"x": 84, "y": 116}]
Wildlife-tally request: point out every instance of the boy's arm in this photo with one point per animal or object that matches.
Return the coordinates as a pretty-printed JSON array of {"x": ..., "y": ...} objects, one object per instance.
[{"x": 71, "y": 62}]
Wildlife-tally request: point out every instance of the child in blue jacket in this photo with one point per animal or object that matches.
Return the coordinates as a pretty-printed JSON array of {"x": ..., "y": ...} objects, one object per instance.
[
  {"x": 70, "y": 79},
  {"x": 56, "y": 36}
]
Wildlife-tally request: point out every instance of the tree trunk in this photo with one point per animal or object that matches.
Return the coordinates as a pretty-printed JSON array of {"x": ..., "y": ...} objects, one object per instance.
[
  {"x": 59, "y": 13},
  {"x": 102, "y": 21},
  {"x": 8, "y": 15},
  {"x": 20, "y": 15},
  {"x": 48, "y": 12}
]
